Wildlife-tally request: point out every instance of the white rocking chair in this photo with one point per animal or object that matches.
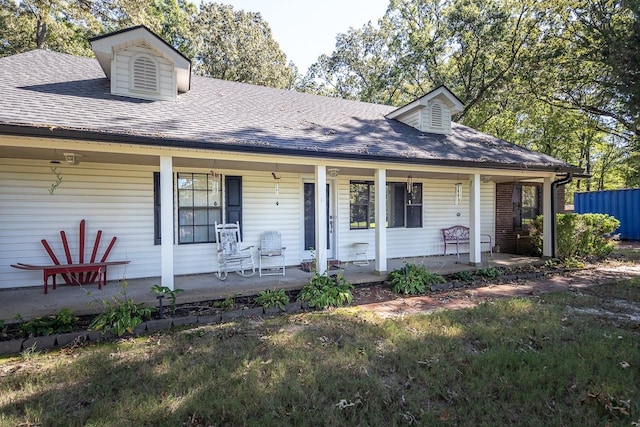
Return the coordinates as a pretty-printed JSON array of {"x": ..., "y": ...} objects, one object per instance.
[
  {"x": 231, "y": 257},
  {"x": 271, "y": 247}
]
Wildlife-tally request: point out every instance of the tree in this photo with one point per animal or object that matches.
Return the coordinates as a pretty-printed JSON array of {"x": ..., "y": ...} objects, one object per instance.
[
  {"x": 66, "y": 25},
  {"x": 238, "y": 46},
  {"x": 596, "y": 65},
  {"x": 558, "y": 76},
  {"x": 360, "y": 68}
]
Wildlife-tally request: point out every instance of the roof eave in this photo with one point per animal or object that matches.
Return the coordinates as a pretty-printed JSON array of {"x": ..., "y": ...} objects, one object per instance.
[{"x": 84, "y": 135}]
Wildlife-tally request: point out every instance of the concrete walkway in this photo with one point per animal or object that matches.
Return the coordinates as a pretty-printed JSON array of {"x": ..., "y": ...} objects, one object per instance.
[{"x": 32, "y": 302}]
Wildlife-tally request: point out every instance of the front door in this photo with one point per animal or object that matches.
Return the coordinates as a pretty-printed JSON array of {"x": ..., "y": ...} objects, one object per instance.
[{"x": 310, "y": 220}]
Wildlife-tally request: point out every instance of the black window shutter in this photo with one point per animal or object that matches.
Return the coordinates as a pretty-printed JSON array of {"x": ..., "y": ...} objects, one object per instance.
[
  {"x": 233, "y": 201},
  {"x": 157, "y": 234}
]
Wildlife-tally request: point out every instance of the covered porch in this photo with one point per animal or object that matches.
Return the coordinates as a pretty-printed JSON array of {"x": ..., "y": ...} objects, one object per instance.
[{"x": 31, "y": 302}]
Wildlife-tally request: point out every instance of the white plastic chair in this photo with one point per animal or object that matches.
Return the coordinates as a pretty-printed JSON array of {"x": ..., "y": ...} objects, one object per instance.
[
  {"x": 232, "y": 257},
  {"x": 270, "y": 248}
]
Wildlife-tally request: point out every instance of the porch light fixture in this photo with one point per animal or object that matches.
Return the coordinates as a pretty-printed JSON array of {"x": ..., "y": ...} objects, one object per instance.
[
  {"x": 72, "y": 158},
  {"x": 276, "y": 178},
  {"x": 215, "y": 177},
  {"x": 409, "y": 184},
  {"x": 333, "y": 172},
  {"x": 457, "y": 198}
]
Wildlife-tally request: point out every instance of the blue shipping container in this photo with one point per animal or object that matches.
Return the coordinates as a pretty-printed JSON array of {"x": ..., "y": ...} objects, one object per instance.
[{"x": 622, "y": 204}]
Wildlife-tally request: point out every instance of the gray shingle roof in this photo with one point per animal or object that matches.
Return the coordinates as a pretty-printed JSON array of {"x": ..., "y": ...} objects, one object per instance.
[{"x": 54, "y": 91}]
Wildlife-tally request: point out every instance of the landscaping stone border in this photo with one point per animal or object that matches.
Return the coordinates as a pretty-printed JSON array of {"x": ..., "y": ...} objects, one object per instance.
[{"x": 50, "y": 342}]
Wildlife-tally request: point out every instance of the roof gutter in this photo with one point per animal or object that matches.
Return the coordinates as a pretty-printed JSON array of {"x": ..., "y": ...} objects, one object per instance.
[
  {"x": 554, "y": 210},
  {"x": 154, "y": 141}
]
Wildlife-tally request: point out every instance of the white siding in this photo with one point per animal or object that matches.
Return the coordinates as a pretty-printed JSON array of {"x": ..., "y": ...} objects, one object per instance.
[
  {"x": 115, "y": 199},
  {"x": 412, "y": 119},
  {"x": 121, "y": 75},
  {"x": 439, "y": 211},
  {"x": 118, "y": 199},
  {"x": 260, "y": 212}
]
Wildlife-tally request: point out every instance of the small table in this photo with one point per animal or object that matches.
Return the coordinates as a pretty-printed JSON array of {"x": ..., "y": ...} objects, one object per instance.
[{"x": 360, "y": 254}]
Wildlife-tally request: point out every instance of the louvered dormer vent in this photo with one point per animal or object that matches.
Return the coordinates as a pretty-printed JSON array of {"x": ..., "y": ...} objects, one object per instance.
[
  {"x": 437, "y": 118},
  {"x": 144, "y": 75},
  {"x": 431, "y": 112},
  {"x": 141, "y": 65}
]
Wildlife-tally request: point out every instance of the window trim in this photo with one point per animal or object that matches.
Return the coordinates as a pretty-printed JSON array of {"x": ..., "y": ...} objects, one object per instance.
[
  {"x": 211, "y": 236},
  {"x": 518, "y": 209},
  {"x": 408, "y": 203}
]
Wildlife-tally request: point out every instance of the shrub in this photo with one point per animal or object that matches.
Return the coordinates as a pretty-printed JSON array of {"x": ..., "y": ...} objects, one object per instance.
[
  {"x": 49, "y": 325},
  {"x": 163, "y": 291},
  {"x": 273, "y": 298},
  {"x": 327, "y": 291},
  {"x": 579, "y": 235},
  {"x": 489, "y": 272},
  {"x": 413, "y": 279},
  {"x": 122, "y": 315},
  {"x": 464, "y": 276}
]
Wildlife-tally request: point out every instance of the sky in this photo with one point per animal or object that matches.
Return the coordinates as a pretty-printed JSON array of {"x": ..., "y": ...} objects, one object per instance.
[{"x": 305, "y": 29}]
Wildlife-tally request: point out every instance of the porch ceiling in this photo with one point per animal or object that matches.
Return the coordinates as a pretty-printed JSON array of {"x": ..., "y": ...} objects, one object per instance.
[{"x": 152, "y": 159}]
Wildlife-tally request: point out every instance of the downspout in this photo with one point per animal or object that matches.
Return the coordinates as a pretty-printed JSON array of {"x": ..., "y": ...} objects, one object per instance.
[{"x": 554, "y": 210}]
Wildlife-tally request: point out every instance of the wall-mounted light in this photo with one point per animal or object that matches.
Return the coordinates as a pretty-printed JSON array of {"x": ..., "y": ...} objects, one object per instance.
[
  {"x": 215, "y": 178},
  {"x": 457, "y": 195},
  {"x": 72, "y": 158},
  {"x": 409, "y": 184},
  {"x": 333, "y": 172},
  {"x": 276, "y": 177}
]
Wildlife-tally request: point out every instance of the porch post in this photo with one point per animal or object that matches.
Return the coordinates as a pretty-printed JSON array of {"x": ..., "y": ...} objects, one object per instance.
[
  {"x": 381, "y": 220},
  {"x": 475, "y": 253},
  {"x": 166, "y": 221},
  {"x": 547, "y": 216},
  {"x": 321, "y": 218}
]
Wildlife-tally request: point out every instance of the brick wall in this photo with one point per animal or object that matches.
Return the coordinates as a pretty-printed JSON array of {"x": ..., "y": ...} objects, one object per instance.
[{"x": 506, "y": 236}]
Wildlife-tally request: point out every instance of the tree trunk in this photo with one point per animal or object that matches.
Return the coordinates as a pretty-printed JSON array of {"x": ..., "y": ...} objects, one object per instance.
[{"x": 41, "y": 34}]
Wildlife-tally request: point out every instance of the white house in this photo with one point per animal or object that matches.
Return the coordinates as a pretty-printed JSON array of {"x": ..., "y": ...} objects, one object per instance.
[{"x": 153, "y": 155}]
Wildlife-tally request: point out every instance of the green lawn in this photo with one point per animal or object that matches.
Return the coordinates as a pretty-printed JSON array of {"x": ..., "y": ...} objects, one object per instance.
[{"x": 570, "y": 358}]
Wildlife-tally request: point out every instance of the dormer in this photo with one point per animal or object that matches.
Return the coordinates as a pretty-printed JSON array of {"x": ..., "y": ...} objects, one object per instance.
[
  {"x": 140, "y": 64},
  {"x": 431, "y": 112}
]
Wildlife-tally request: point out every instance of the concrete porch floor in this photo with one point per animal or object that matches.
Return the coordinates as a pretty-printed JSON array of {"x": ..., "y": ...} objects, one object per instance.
[{"x": 32, "y": 302}]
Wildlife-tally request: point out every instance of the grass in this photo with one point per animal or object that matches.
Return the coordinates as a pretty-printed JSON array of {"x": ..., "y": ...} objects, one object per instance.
[{"x": 559, "y": 360}]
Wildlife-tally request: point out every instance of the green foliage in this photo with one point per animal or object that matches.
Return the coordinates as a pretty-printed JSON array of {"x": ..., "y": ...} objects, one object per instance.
[
  {"x": 489, "y": 272},
  {"x": 573, "y": 66},
  {"x": 573, "y": 262},
  {"x": 273, "y": 298},
  {"x": 122, "y": 314},
  {"x": 227, "y": 304},
  {"x": 327, "y": 291},
  {"x": 49, "y": 325},
  {"x": 238, "y": 46},
  {"x": 465, "y": 276},
  {"x": 57, "y": 181},
  {"x": 579, "y": 235},
  {"x": 169, "y": 293},
  {"x": 413, "y": 279}
]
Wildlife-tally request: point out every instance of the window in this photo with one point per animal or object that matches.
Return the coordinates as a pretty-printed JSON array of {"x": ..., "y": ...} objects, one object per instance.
[
  {"x": 404, "y": 209},
  {"x": 361, "y": 199},
  {"x": 144, "y": 74},
  {"x": 526, "y": 205},
  {"x": 199, "y": 207}
]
